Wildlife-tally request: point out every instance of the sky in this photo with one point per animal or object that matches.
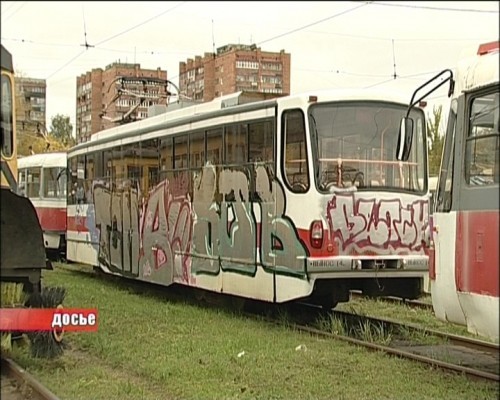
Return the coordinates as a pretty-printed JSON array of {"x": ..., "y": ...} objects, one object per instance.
[{"x": 333, "y": 44}]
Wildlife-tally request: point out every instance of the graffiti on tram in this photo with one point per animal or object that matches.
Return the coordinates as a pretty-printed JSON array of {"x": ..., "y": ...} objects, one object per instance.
[
  {"x": 166, "y": 237},
  {"x": 364, "y": 224}
]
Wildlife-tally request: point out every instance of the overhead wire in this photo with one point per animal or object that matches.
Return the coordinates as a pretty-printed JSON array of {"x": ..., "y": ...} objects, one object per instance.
[
  {"x": 469, "y": 10},
  {"x": 113, "y": 37},
  {"x": 14, "y": 12},
  {"x": 365, "y": 3},
  {"x": 314, "y": 23}
]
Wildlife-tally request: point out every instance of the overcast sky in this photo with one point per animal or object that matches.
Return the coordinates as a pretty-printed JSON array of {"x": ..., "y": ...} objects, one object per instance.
[{"x": 332, "y": 44}]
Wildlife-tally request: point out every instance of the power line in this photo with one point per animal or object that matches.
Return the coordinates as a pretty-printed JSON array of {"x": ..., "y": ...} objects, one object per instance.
[
  {"x": 392, "y": 4},
  {"x": 112, "y": 37},
  {"x": 65, "y": 65},
  {"x": 86, "y": 45},
  {"x": 140, "y": 24},
  {"x": 15, "y": 11},
  {"x": 314, "y": 23}
]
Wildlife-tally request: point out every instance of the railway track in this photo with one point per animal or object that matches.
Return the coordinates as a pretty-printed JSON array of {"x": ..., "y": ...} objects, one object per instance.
[
  {"x": 355, "y": 294},
  {"x": 474, "y": 358},
  {"x": 19, "y": 384}
]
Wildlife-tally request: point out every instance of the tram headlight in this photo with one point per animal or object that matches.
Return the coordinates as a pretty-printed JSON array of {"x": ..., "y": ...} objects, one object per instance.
[{"x": 316, "y": 234}]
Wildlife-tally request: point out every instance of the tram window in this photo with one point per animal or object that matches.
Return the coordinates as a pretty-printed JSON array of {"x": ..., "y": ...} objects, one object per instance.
[
  {"x": 89, "y": 175},
  {"x": 295, "y": 157},
  {"x": 166, "y": 156},
  {"x": 236, "y": 144},
  {"x": 21, "y": 182},
  {"x": 214, "y": 146},
  {"x": 62, "y": 182},
  {"x": 181, "y": 152},
  {"x": 108, "y": 168},
  {"x": 196, "y": 150},
  {"x": 7, "y": 116},
  {"x": 99, "y": 165},
  {"x": 72, "y": 180},
  {"x": 482, "y": 144},
  {"x": 153, "y": 178},
  {"x": 261, "y": 142},
  {"x": 150, "y": 162},
  {"x": 79, "y": 185},
  {"x": 50, "y": 182},
  {"x": 118, "y": 167},
  {"x": 130, "y": 165},
  {"x": 33, "y": 181}
]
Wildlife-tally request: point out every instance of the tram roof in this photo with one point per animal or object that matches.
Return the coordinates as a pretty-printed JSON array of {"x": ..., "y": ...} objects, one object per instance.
[
  {"x": 478, "y": 70},
  {"x": 238, "y": 102},
  {"x": 55, "y": 159}
]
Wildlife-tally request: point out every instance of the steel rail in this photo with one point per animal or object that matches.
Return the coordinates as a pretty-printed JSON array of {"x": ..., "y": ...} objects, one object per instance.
[
  {"x": 398, "y": 300},
  {"x": 469, "y": 342},
  {"x": 471, "y": 372},
  {"x": 15, "y": 371}
]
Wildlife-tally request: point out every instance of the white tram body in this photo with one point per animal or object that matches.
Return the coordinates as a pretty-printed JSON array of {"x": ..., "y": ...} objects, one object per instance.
[
  {"x": 42, "y": 178},
  {"x": 465, "y": 271},
  {"x": 274, "y": 200}
]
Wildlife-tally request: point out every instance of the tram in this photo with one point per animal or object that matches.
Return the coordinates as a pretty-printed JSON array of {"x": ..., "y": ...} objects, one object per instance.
[
  {"x": 465, "y": 270},
  {"x": 42, "y": 178},
  {"x": 280, "y": 199}
]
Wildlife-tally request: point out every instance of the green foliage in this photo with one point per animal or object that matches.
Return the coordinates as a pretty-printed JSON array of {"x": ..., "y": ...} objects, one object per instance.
[
  {"x": 61, "y": 129},
  {"x": 28, "y": 143},
  {"x": 436, "y": 140},
  {"x": 32, "y": 138}
]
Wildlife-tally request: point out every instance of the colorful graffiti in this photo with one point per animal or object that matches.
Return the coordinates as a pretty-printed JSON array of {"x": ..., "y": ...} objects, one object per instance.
[
  {"x": 171, "y": 237},
  {"x": 228, "y": 234},
  {"x": 165, "y": 233},
  {"x": 385, "y": 226}
]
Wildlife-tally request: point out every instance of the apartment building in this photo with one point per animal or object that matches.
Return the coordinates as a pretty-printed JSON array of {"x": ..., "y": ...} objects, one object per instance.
[
  {"x": 120, "y": 93},
  {"x": 234, "y": 68},
  {"x": 31, "y": 95}
]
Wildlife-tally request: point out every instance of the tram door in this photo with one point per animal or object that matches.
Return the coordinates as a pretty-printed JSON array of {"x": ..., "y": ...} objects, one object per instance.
[{"x": 123, "y": 230}]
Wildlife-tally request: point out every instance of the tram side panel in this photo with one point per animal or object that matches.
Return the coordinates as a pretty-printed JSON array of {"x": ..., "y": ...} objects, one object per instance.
[{"x": 465, "y": 279}]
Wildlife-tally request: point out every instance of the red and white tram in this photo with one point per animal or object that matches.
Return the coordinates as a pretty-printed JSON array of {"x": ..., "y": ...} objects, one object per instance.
[
  {"x": 465, "y": 274},
  {"x": 42, "y": 178},
  {"x": 464, "y": 261}
]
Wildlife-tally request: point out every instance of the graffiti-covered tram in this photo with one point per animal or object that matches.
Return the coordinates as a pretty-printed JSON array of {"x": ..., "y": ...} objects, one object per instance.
[{"x": 275, "y": 200}]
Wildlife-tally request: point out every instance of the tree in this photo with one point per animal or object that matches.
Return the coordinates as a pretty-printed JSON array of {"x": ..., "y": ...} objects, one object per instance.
[
  {"x": 436, "y": 141},
  {"x": 32, "y": 136},
  {"x": 61, "y": 129},
  {"x": 29, "y": 143}
]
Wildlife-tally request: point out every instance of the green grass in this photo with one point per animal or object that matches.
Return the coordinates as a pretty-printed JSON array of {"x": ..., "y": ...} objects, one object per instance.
[
  {"x": 404, "y": 313},
  {"x": 150, "y": 347}
]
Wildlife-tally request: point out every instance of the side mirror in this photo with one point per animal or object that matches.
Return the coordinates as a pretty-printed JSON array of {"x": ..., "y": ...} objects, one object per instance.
[{"x": 405, "y": 139}]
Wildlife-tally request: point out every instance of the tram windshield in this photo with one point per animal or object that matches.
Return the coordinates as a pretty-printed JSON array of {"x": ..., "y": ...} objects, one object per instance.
[{"x": 355, "y": 146}]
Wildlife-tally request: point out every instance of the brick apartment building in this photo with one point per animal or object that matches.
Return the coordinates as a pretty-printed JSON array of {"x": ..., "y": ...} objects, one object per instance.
[
  {"x": 97, "y": 104},
  {"x": 234, "y": 68},
  {"x": 31, "y": 105}
]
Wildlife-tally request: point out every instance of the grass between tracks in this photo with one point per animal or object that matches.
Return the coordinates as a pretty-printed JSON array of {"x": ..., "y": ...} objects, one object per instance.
[
  {"x": 402, "y": 312},
  {"x": 150, "y": 347}
]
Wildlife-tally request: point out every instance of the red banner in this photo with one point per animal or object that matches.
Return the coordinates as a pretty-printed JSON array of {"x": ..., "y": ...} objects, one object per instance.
[{"x": 48, "y": 319}]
